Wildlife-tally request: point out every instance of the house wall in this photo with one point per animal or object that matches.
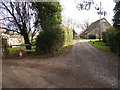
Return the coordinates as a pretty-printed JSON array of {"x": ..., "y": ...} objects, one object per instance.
[
  {"x": 96, "y": 31},
  {"x": 93, "y": 32},
  {"x": 96, "y": 28},
  {"x": 15, "y": 40}
]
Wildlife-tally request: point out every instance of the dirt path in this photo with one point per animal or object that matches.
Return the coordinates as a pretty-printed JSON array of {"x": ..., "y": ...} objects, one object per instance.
[{"x": 84, "y": 67}]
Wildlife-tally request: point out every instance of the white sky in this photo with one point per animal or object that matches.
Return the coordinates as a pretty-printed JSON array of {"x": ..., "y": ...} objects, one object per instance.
[{"x": 70, "y": 11}]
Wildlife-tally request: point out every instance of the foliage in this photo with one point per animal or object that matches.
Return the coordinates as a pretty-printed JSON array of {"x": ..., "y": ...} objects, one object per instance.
[
  {"x": 68, "y": 34},
  {"x": 92, "y": 36},
  {"x": 53, "y": 39},
  {"x": 49, "y": 14},
  {"x": 112, "y": 37},
  {"x": 116, "y": 18}
]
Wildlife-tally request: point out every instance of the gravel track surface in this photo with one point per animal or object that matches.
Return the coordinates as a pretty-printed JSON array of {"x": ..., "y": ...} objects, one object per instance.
[{"x": 84, "y": 67}]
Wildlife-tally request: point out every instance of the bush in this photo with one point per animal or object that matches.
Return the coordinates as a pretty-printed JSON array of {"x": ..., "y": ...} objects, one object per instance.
[
  {"x": 92, "y": 36},
  {"x": 111, "y": 37},
  {"x": 51, "y": 40},
  {"x": 104, "y": 36}
]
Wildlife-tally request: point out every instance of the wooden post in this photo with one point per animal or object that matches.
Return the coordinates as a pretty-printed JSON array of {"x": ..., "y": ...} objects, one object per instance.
[{"x": 5, "y": 48}]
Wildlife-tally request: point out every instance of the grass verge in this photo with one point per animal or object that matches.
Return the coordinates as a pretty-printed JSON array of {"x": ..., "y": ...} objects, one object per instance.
[
  {"x": 14, "y": 54},
  {"x": 99, "y": 44},
  {"x": 18, "y": 48}
]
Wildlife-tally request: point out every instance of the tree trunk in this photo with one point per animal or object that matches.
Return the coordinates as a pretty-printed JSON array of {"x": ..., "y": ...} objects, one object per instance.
[{"x": 27, "y": 41}]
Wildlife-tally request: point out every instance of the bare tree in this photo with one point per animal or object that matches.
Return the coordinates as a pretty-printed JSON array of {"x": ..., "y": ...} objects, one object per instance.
[
  {"x": 84, "y": 25},
  {"x": 19, "y": 17},
  {"x": 72, "y": 24}
]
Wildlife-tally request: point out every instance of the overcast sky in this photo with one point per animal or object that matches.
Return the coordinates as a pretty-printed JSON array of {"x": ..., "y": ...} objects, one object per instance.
[{"x": 70, "y": 10}]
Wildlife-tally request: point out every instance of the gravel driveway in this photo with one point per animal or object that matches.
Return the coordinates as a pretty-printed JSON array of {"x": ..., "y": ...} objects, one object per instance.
[{"x": 84, "y": 67}]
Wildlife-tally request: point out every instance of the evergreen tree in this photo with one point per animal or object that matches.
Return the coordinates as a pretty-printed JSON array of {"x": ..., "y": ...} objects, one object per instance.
[
  {"x": 116, "y": 18},
  {"x": 49, "y": 14}
]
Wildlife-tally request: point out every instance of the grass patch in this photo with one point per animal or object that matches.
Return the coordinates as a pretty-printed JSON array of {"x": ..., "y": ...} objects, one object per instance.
[
  {"x": 99, "y": 44},
  {"x": 18, "y": 48},
  {"x": 14, "y": 52},
  {"x": 63, "y": 51}
]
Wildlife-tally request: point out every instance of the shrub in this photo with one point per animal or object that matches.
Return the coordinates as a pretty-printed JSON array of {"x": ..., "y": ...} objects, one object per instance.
[
  {"x": 92, "y": 36},
  {"x": 50, "y": 40},
  {"x": 104, "y": 36},
  {"x": 111, "y": 37}
]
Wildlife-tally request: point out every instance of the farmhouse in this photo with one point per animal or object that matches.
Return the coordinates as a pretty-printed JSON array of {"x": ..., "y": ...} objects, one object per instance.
[{"x": 95, "y": 28}]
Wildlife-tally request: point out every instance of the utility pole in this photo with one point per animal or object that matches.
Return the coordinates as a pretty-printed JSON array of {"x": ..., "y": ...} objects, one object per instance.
[{"x": 100, "y": 33}]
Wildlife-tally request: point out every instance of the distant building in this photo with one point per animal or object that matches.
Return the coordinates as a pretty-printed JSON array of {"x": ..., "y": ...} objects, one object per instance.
[
  {"x": 15, "y": 39},
  {"x": 95, "y": 27}
]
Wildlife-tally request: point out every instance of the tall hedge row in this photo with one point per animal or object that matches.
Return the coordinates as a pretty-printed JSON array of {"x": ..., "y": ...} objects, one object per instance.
[
  {"x": 112, "y": 37},
  {"x": 53, "y": 39}
]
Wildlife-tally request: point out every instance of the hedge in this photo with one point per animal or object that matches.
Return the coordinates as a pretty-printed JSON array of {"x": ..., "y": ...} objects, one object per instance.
[
  {"x": 112, "y": 37},
  {"x": 53, "y": 39},
  {"x": 92, "y": 36}
]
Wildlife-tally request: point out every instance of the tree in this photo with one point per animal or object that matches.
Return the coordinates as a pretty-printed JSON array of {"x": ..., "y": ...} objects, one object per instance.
[
  {"x": 70, "y": 23},
  {"x": 85, "y": 25},
  {"x": 49, "y": 14},
  {"x": 116, "y": 18},
  {"x": 19, "y": 17}
]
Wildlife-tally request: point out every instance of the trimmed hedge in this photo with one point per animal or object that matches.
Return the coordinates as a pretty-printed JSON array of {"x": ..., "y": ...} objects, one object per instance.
[
  {"x": 112, "y": 37},
  {"x": 92, "y": 36},
  {"x": 53, "y": 39}
]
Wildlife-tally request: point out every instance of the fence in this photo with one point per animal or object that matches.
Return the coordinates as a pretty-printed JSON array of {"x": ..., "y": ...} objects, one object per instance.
[{"x": 6, "y": 49}]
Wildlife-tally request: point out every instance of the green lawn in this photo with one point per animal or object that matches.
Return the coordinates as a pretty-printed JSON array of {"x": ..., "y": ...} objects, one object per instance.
[
  {"x": 99, "y": 44},
  {"x": 15, "y": 51},
  {"x": 18, "y": 48}
]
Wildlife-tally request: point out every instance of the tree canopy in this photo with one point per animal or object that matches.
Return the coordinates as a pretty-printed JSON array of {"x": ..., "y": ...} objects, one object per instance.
[
  {"x": 49, "y": 13},
  {"x": 116, "y": 18}
]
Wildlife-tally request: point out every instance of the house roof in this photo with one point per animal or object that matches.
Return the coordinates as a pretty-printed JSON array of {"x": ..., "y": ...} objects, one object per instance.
[{"x": 94, "y": 25}]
